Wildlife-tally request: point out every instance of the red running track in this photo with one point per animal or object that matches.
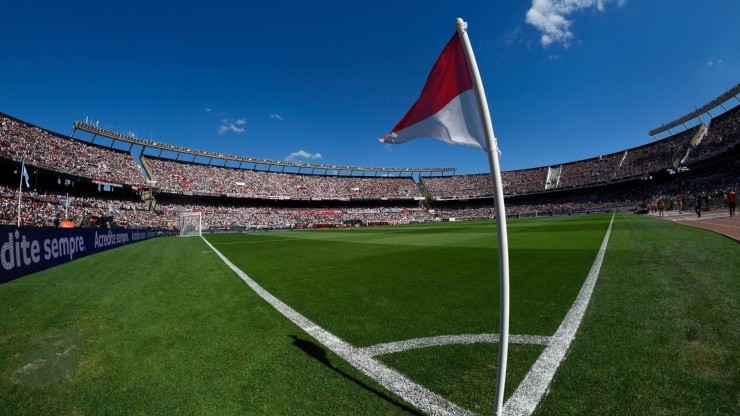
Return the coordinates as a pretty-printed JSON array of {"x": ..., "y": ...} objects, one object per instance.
[{"x": 718, "y": 221}]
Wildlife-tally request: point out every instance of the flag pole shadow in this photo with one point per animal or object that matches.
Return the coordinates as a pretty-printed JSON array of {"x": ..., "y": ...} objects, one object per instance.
[{"x": 318, "y": 353}]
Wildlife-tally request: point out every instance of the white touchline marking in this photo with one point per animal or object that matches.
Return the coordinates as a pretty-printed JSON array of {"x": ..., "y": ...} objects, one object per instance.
[
  {"x": 399, "y": 346},
  {"x": 531, "y": 390},
  {"x": 416, "y": 395},
  {"x": 524, "y": 400}
]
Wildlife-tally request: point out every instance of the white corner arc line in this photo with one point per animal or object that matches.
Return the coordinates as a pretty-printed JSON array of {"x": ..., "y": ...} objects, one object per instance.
[
  {"x": 415, "y": 394},
  {"x": 399, "y": 346},
  {"x": 531, "y": 390}
]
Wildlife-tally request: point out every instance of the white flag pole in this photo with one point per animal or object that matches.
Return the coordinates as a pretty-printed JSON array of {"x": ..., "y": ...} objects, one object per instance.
[{"x": 503, "y": 245}]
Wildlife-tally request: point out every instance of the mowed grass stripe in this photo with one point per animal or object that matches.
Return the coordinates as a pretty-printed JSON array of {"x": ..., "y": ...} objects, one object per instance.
[
  {"x": 422, "y": 235},
  {"x": 661, "y": 333},
  {"x": 160, "y": 327},
  {"x": 425, "y": 264},
  {"x": 418, "y": 396},
  {"x": 370, "y": 293}
]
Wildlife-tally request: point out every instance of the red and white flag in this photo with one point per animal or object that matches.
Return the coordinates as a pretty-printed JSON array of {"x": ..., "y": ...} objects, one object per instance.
[{"x": 447, "y": 108}]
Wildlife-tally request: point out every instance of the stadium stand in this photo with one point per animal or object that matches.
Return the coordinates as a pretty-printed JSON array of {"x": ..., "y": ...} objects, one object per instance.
[
  {"x": 236, "y": 217},
  {"x": 723, "y": 136},
  {"x": 624, "y": 165},
  {"x": 663, "y": 154},
  {"x": 480, "y": 186},
  {"x": 199, "y": 179},
  {"x": 41, "y": 148},
  {"x": 48, "y": 208},
  {"x": 95, "y": 185}
]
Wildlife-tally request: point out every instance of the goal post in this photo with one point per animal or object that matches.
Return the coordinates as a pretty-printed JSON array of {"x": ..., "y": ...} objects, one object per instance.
[{"x": 190, "y": 223}]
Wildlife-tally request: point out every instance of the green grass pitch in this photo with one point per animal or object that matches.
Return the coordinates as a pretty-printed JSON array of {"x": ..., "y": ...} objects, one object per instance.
[{"x": 164, "y": 327}]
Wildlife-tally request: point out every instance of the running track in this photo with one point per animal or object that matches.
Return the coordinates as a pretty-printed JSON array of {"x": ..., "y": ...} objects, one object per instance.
[{"x": 718, "y": 221}]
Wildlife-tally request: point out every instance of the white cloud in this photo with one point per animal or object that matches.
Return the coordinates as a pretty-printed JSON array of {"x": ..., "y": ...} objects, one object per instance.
[
  {"x": 228, "y": 126},
  {"x": 276, "y": 117},
  {"x": 713, "y": 63},
  {"x": 513, "y": 36},
  {"x": 302, "y": 155},
  {"x": 207, "y": 110},
  {"x": 550, "y": 17}
]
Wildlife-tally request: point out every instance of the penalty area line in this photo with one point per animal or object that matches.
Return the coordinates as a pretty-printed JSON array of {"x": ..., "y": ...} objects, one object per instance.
[{"x": 415, "y": 394}]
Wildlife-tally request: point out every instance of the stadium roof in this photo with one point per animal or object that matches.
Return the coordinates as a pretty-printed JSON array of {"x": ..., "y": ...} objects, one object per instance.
[
  {"x": 732, "y": 92},
  {"x": 179, "y": 150}
]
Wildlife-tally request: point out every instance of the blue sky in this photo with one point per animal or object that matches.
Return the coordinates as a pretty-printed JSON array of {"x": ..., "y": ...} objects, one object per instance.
[{"x": 321, "y": 81}]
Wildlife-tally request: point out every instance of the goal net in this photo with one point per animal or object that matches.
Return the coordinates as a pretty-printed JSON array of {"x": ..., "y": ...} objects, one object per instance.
[{"x": 190, "y": 223}]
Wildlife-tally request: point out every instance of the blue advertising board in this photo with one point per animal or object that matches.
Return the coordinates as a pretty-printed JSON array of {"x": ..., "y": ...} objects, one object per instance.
[{"x": 27, "y": 250}]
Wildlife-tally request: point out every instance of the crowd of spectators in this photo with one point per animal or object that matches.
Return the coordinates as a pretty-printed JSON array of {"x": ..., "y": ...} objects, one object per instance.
[
  {"x": 48, "y": 209},
  {"x": 480, "y": 185},
  {"x": 590, "y": 171},
  {"x": 231, "y": 190},
  {"x": 723, "y": 134},
  {"x": 676, "y": 192},
  {"x": 538, "y": 207},
  {"x": 458, "y": 186},
  {"x": 630, "y": 163},
  {"x": 524, "y": 181},
  {"x": 663, "y": 154},
  {"x": 639, "y": 161},
  {"x": 41, "y": 148},
  {"x": 231, "y": 217},
  {"x": 198, "y": 179}
]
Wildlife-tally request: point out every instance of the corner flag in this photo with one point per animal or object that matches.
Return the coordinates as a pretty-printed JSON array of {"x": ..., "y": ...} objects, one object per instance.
[
  {"x": 447, "y": 108},
  {"x": 453, "y": 108}
]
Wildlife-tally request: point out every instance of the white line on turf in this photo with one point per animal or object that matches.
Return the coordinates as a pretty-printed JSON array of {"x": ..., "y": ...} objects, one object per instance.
[
  {"x": 392, "y": 347},
  {"x": 531, "y": 390},
  {"x": 524, "y": 400},
  {"x": 418, "y": 396}
]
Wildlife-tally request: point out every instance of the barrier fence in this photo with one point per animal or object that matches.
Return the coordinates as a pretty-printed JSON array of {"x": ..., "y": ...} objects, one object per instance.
[{"x": 27, "y": 250}]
